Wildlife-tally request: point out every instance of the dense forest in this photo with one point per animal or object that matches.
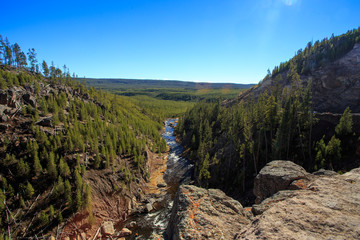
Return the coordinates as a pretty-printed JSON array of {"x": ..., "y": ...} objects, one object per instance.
[
  {"x": 230, "y": 144},
  {"x": 54, "y": 129}
]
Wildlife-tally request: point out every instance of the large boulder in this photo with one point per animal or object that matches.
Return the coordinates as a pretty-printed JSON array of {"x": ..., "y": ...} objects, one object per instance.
[
  {"x": 12, "y": 98},
  {"x": 269, "y": 202},
  {"x": 205, "y": 214},
  {"x": 3, "y": 98},
  {"x": 45, "y": 122},
  {"x": 29, "y": 99},
  {"x": 275, "y": 176},
  {"x": 329, "y": 208}
]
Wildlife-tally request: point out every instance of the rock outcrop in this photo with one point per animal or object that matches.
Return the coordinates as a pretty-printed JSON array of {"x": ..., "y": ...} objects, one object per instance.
[
  {"x": 276, "y": 176},
  {"x": 328, "y": 207},
  {"x": 295, "y": 205},
  {"x": 205, "y": 214}
]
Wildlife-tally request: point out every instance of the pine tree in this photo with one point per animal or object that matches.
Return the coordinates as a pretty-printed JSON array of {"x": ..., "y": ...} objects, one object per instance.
[
  {"x": 345, "y": 126},
  {"x": 3, "y": 84},
  {"x": 22, "y": 168},
  {"x": 78, "y": 179},
  {"x": 29, "y": 190},
  {"x": 78, "y": 200},
  {"x": 333, "y": 151},
  {"x": 2, "y": 201},
  {"x": 204, "y": 173},
  {"x": 32, "y": 59},
  {"x": 44, "y": 218},
  {"x": 51, "y": 211},
  {"x": 68, "y": 192},
  {"x": 51, "y": 166},
  {"x": 37, "y": 165},
  {"x": 45, "y": 69},
  {"x": 59, "y": 187},
  {"x": 320, "y": 154},
  {"x": 64, "y": 168}
]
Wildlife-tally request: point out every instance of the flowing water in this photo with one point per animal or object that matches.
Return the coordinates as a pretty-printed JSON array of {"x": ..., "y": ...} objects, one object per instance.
[{"x": 179, "y": 170}]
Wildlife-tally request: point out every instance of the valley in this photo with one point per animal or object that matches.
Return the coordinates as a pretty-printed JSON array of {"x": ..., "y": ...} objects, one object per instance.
[{"x": 84, "y": 158}]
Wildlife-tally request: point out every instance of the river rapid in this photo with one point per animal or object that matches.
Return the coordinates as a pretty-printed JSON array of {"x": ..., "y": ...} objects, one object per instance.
[{"x": 179, "y": 171}]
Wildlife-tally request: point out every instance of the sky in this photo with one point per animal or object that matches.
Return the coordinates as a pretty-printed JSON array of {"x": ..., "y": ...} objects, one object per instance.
[{"x": 193, "y": 40}]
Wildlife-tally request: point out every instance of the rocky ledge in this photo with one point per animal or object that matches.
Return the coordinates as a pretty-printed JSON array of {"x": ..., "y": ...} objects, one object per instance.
[
  {"x": 205, "y": 214},
  {"x": 292, "y": 204}
]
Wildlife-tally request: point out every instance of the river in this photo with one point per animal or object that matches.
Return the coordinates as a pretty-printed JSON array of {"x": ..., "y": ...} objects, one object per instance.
[{"x": 179, "y": 170}]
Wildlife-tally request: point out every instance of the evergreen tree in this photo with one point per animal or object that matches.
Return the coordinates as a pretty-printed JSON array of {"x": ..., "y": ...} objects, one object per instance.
[
  {"x": 333, "y": 151},
  {"x": 68, "y": 192},
  {"x": 32, "y": 59},
  {"x": 64, "y": 169},
  {"x": 45, "y": 68},
  {"x": 22, "y": 168},
  {"x": 345, "y": 126},
  {"x": 51, "y": 166},
  {"x": 3, "y": 83},
  {"x": 29, "y": 190},
  {"x": 59, "y": 187},
  {"x": 78, "y": 203},
  {"x": 320, "y": 154},
  {"x": 37, "y": 165}
]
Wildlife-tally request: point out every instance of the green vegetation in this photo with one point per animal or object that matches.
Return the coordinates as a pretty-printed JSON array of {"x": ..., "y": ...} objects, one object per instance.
[
  {"x": 168, "y": 100},
  {"x": 229, "y": 145},
  {"x": 321, "y": 52},
  {"x": 87, "y": 129}
]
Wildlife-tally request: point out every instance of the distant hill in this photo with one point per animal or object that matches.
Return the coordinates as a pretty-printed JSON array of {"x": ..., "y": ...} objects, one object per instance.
[{"x": 121, "y": 83}]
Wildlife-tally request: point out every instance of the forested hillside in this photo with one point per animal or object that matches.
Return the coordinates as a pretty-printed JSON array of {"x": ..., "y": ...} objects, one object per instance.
[
  {"x": 330, "y": 65},
  {"x": 230, "y": 142},
  {"x": 54, "y": 131}
]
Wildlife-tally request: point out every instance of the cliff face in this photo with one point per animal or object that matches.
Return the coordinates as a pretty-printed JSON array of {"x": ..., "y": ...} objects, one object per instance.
[
  {"x": 335, "y": 85},
  {"x": 322, "y": 205}
]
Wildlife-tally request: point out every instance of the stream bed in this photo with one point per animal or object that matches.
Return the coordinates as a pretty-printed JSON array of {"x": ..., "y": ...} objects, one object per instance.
[{"x": 179, "y": 170}]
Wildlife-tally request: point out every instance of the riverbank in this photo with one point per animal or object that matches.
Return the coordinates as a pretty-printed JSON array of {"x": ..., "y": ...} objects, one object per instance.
[{"x": 166, "y": 174}]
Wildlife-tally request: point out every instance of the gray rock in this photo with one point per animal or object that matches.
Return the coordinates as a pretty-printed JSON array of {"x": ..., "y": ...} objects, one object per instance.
[
  {"x": 275, "y": 176},
  {"x": 148, "y": 207},
  {"x": 258, "y": 209},
  {"x": 327, "y": 209},
  {"x": 161, "y": 185},
  {"x": 45, "y": 122},
  {"x": 12, "y": 98},
  {"x": 107, "y": 228},
  {"x": 29, "y": 99},
  {"x": 199, "y": 213},
  {"x": 3, "y": 98},
  {"x": 124, "y": 232},
  {"x": 324, "y": 172}
]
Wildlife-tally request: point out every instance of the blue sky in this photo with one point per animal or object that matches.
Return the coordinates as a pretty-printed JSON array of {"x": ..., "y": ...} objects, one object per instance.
[{"x": 194, "y": 40}]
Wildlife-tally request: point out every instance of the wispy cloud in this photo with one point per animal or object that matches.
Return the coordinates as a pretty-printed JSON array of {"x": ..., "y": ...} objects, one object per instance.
[{"x": 290, "y": 2}]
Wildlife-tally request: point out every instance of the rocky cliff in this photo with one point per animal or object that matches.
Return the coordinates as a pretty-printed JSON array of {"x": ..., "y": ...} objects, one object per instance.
[
  {"x": 295, "y": 205},
  {"x": 205, "y": 214},
  {"x": 335, "y": 85}
]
